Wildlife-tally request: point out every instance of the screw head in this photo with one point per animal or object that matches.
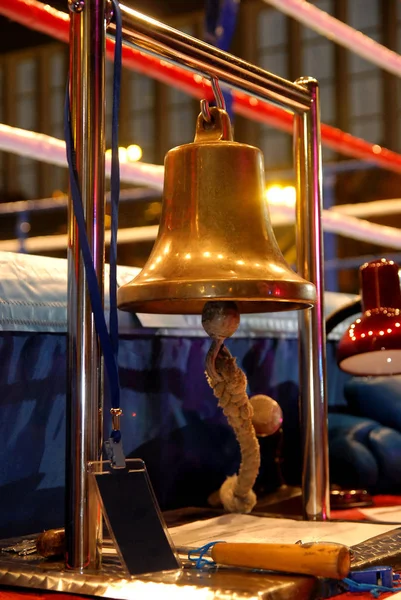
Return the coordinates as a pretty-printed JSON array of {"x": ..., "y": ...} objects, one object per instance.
[
  {"x": 76, "y": 6},
  {"x": 109, "y": 12}
]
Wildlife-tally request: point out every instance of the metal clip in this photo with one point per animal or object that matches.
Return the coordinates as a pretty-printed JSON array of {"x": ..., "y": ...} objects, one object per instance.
[
  {"x": 114, "y": 453},
  {"x": 115, "y": 417}
]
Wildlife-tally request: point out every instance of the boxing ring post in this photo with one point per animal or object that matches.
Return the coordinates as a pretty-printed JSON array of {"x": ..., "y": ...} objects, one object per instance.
[
  {"x": 84, "y": 371},
  {"x": 312, "y": 336}
]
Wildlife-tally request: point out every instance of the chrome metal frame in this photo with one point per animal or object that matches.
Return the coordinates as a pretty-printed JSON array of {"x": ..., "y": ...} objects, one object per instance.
[
  {"x": 87, "y": 94},
  {"x": 85, "y": 365}
]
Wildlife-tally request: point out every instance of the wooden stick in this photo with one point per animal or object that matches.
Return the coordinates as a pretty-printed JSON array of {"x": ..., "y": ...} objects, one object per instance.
[{"x": 320, "y": 559}]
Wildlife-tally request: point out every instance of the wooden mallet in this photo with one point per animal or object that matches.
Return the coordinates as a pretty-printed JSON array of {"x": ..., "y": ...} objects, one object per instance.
[{"x": 321, "y": 559}]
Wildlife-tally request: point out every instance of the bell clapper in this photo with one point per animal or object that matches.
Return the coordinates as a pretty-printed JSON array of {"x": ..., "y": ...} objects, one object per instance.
[{"x": 220, "y": 320}]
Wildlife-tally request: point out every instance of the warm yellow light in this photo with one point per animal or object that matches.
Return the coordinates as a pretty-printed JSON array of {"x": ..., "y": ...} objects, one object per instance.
[
  {"x": 130, "y": 154},
  {"x": 277, "y": 194},
  {"x": 289, "y": 195},
  {"x": 273, "y": 194},
  {"x": 123, "y": 154},
  {"x": 134, "y": 153},
  {"x": 58, "y": 194}
]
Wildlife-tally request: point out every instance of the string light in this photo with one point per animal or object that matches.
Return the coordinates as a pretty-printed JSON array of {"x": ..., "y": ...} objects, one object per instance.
[{"x": 132, "y": 153}]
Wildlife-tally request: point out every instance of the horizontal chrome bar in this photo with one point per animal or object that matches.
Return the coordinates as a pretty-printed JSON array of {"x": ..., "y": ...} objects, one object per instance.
[{"x": 176, "y": 47}]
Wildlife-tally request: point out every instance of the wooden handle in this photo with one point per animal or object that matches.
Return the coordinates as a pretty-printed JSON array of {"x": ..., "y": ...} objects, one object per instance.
[
  {"x": 51, "y": 543},
  {"x": 319, "y": 559}
]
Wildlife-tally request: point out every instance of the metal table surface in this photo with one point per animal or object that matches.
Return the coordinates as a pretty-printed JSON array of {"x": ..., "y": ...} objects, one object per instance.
[{"x": 33, "y": 572}]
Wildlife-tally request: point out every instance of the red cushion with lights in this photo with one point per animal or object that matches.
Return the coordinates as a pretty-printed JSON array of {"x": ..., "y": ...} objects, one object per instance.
[{"x": 372, "y": 345}]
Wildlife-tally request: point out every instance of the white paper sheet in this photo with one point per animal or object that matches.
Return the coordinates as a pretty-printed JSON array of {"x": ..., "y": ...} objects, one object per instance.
[
  {"x": 247, "y": 528},
  {"x": 384, "y": 514}
]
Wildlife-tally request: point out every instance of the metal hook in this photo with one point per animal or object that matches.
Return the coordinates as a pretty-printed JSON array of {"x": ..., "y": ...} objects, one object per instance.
[
  {"x": 218, "y": 94},
  {"x": 205, "y": 110},
  {"x": 219, "y": 98}
]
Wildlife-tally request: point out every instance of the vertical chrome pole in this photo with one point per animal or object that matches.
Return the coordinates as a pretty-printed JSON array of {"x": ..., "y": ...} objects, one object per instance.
[
  {"x": 84, "y": 389},
  {"x": 312, "y": 338}
]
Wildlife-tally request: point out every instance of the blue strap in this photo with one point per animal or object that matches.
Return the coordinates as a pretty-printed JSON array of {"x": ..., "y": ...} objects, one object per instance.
[
  {"x": 115, "y": 180},
  {"x": 220, "y": 22},
  {"x": 197, "y": 556},
  {"x": 375, "y": 590},
  {"x": 93, "y": 285},
  {"x": 108, "y": 342},
  {"x": 114, "y": 204},
  {"x": 212, "y": 11}
]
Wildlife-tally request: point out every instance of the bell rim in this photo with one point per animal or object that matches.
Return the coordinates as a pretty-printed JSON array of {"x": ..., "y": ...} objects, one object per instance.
[{"x": 171, "y": 297}]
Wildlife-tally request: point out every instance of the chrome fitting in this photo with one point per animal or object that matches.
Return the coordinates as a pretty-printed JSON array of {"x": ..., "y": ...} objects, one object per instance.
[
  {"x": 76, "y": 6},
  {"x": 109, "y": 12}
]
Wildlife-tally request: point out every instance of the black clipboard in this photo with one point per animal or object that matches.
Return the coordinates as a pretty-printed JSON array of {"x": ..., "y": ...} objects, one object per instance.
[{"x": 133, "y": 517}]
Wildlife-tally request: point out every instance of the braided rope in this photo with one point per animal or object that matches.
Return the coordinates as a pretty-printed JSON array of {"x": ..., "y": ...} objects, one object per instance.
[{"x": 229, "y": 384}]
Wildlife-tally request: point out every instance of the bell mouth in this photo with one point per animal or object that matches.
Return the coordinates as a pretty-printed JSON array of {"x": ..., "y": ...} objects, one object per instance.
[{"x": 251, "y": 296}]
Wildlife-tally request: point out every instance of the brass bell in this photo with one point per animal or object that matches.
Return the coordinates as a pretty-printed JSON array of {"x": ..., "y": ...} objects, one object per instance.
[{"x": 215, "y": 239}]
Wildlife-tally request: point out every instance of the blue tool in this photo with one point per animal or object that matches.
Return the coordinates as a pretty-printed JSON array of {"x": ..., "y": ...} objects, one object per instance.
[{"x": 375, "y": 580}]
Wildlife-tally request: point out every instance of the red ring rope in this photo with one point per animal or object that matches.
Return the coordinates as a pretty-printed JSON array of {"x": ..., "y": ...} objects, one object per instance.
[{"x": 52, "y": 22}]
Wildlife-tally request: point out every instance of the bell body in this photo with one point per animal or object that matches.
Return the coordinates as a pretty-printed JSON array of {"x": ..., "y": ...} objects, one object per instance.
[{"x": 215, "y": 239}]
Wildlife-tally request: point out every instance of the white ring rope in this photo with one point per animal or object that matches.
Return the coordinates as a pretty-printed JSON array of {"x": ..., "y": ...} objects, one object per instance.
[
  {"x": 51, "y": 150},
  {"x": 336, "y": 31},
  {"x": 377, "y": 208},
  {"x": 333, "y": 222},
  {"x": 345, "y": 225},
  {"x": 43, "y": 243}
]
